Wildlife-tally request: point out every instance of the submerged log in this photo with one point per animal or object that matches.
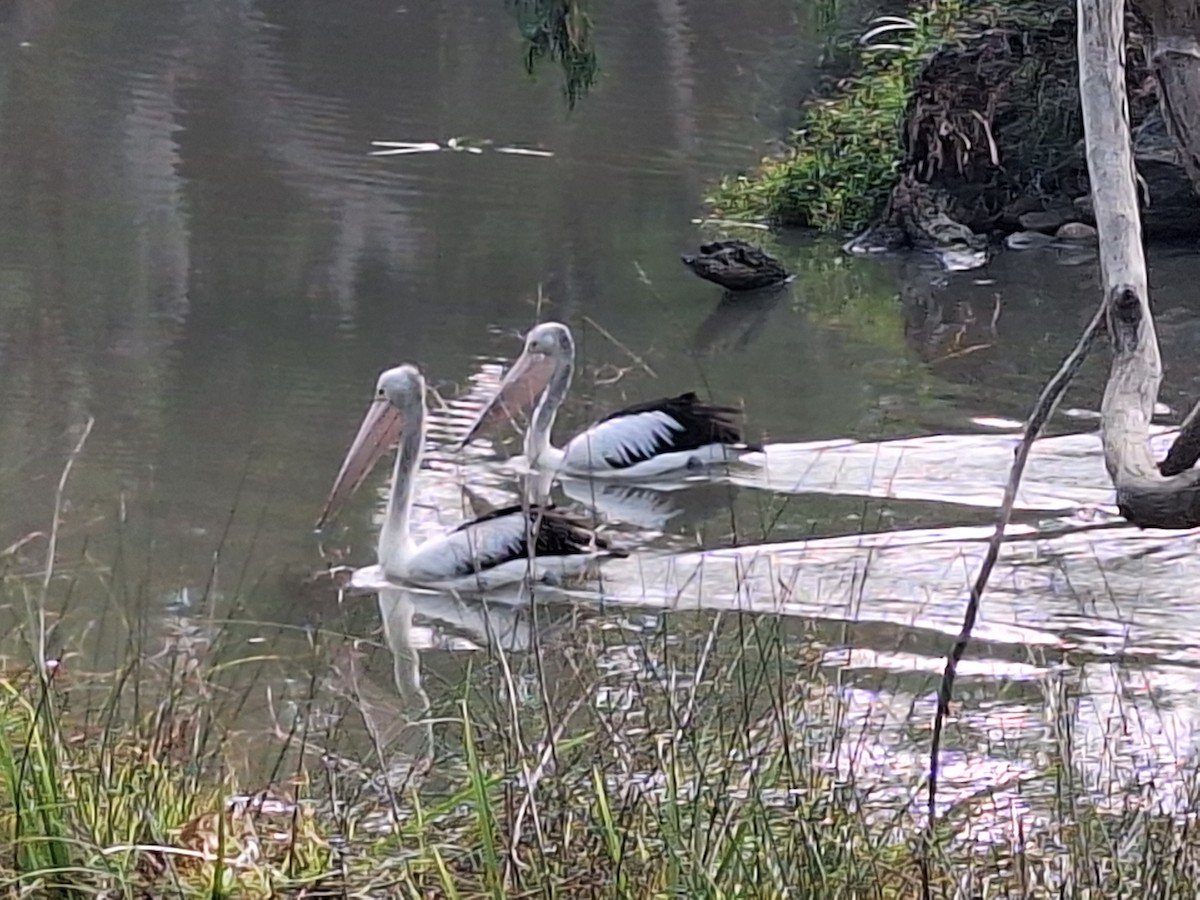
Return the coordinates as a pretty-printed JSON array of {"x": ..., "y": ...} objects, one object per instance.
[
  {"x": 736, "y": 266},
  {"x": 1145, "y": 496}
]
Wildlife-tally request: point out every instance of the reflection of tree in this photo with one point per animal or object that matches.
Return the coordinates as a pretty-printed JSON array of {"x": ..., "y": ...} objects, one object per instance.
[{"x": 559, "y": 31}]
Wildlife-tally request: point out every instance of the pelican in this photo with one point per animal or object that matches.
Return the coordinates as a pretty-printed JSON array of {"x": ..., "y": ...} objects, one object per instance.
[
  {"x": 642, "y": 441},
  {"x": 491, "y": 550}
]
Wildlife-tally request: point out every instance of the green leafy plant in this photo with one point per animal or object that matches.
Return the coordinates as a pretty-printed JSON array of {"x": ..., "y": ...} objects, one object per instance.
[
  {"x": 558, "y": 31},
  {"x": 842, "y": 161}
]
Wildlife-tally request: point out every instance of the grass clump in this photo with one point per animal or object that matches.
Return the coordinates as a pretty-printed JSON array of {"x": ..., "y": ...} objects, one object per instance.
[
  {"x": 136, "y": 809},
  {"x": 843, "y": 160},
  {"x": 645, "y": 754}
]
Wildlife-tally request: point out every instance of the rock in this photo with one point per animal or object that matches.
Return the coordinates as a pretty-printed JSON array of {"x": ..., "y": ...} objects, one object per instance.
[
  {"x": 1047, "y": 220},
  {"x": 1172, "y": 209},
  {"x": 1076, "y": 231},
  {"x": 1010, "y": 216},
  {"x": 1027, "y": 240}
]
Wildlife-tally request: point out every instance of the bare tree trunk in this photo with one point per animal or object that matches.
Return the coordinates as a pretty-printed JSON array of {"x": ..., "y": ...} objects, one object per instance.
[
  {"x": 1175, "y": 57},
  {"x": 1144, "y": 496}
]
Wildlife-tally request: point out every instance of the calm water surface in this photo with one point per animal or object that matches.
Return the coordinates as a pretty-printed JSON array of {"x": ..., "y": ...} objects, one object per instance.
[{"x": 197, "y": 250}]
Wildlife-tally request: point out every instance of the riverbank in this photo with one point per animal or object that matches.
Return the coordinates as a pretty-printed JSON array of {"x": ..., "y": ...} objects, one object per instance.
[{"x": 960, "y": 125}]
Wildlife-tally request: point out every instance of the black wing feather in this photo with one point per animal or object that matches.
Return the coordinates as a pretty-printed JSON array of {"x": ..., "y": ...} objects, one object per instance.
[{"x": 555, "y": 534}]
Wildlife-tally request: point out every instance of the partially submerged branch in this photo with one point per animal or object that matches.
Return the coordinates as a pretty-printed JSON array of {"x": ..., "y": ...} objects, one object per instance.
[
  {"x": 1144, "y": 496},
  {"x": 1047, "y": 402}
]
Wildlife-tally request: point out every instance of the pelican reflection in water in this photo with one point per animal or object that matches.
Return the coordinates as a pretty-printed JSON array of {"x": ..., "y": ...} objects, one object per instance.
[{"x": 400, "y": 724}]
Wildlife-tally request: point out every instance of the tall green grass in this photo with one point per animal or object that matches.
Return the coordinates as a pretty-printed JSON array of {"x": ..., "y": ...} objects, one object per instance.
[
  {"x": 713, "y": 776},
  {"x": 711, "y": 755}
]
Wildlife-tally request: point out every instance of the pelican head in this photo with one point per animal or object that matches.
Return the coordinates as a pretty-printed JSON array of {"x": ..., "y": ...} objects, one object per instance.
[
  {"x": 403, "y": 387},
  {"x": 399, "y": 401},
  {"x": 552, "y": 339},
  {"x": 549, "y": 348}
]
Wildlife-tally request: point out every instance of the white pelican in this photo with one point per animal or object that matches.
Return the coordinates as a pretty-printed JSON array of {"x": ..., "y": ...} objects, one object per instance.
[
  {"x": 488, "y": 551},
  {"x": 642, "y": 441}
]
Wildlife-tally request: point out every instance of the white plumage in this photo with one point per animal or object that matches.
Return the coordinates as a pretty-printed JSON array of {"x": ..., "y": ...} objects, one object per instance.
[
  {"x": 477, "y": 544},
  {"x": 646, "y": 440},
  {"x": 505, "y": 546},
  {"x": 620, "y": 442},
  {"x": 494, "y": 550}
]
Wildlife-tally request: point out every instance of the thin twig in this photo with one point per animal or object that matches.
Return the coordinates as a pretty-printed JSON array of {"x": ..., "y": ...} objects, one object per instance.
[
  {"x": 15, "y": 546},
  {"x": 1042, "y": 410},
  {"x": 637, "y": 359},
  {"x": 232, "y": 862},
  {"x": 52, "y": 546},
  {"x": 732, "y": 223},
  {"x": 671, "y": 311}
]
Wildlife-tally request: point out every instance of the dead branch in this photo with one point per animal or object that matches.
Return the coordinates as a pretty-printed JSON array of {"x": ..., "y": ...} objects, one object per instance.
[
  {"x": 1144, "y": 496},
  {"x": 1186, "y": 449},
  {"x": 1042, "y": 411}
]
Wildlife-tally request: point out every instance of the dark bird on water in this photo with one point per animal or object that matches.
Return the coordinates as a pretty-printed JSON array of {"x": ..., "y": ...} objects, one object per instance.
[{"x": 736, "y": 266}]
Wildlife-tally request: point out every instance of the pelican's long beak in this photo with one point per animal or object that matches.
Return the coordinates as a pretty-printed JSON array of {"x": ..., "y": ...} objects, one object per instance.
[
  {"x": 380, "y": 429},
  {"x": 518, "y": 393}
]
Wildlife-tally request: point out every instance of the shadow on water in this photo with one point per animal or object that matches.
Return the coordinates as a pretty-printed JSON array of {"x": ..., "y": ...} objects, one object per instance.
[{"x": 737, "y": 320}]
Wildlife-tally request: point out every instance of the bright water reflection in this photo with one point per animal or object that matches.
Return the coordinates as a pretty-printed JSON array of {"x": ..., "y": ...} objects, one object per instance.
[{"x": 197, "y": 249}]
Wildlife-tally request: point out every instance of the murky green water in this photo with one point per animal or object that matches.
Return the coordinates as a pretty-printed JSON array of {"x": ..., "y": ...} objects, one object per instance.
[{"x": 197, "y": 250}]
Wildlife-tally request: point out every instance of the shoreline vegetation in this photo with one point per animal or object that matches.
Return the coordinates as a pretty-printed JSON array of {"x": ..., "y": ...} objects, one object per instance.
[
  {"x": 579, "y": 781},
  {"x": 960, "y": 125},
  {"x": 687, "y": 805},
  {"x": 842, "y": 160}
]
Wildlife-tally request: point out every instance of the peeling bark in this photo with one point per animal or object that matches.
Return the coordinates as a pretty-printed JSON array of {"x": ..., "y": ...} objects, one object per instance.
[
  {"x": 1175, "y": 59},
  {"x": 1144, "y": 495}
]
